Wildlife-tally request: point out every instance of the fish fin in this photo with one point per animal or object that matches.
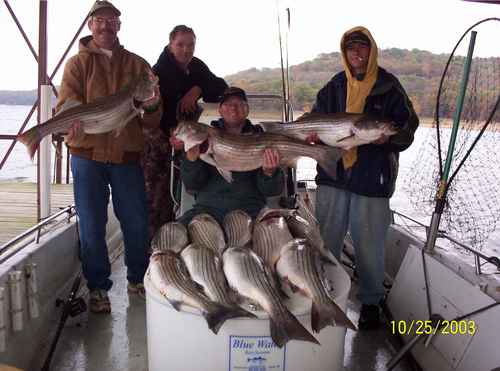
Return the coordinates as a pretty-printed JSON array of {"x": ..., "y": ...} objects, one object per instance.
[
  {"x": 31, "y": 139},
  {"x": 271, "y": 126},
  {"x": 345, "y": 138},
  {"x": 329, "y": 313},
  {"x": 277, "y": 285},
  {"x": 216, "y": 318},
  {"x": 348, "y": 142},
  {"x": 119, "y": 129},
  {"x": 69, "y": 103},
  {"x": 328, "y": 160},
  {"x": 175, "y": 304},
  {"x": 287, "y": 327},
  {"x": 226, "y": 174}
]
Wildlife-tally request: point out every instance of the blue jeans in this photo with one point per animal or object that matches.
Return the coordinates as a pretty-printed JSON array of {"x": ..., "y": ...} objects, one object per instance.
[
  {"x": 367, "y": 219},
  {"x": 92, "y": 181}
]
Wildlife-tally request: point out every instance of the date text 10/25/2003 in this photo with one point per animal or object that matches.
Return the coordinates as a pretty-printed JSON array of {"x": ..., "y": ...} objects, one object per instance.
[{"x": 427, "y": 327}]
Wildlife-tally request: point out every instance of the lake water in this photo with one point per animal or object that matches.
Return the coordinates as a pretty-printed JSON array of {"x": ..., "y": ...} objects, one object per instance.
[{"x": 20, "y": 168}]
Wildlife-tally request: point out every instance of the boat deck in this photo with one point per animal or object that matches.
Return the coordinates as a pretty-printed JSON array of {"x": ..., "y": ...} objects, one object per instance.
[
  {"x": 18, "y": 210},
  {"x": 119, "y": 342}
]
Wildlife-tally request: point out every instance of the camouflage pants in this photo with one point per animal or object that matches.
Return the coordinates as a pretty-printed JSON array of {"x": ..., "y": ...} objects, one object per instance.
[{"x": 156, "y": 164}]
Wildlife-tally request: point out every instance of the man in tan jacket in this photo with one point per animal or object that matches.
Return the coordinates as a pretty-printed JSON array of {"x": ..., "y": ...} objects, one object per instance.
[{"x": 104, "y": 162}]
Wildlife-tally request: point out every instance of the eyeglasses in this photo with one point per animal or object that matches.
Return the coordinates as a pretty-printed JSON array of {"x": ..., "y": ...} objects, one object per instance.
[{"x": 113, "y": 22}]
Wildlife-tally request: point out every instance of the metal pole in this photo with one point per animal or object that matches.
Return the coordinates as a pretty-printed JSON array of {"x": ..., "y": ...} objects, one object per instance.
[
  {"x": 16, "y": 21},
  {"x": 443, "y": 185},
  {"x": 44, "y": 113}
]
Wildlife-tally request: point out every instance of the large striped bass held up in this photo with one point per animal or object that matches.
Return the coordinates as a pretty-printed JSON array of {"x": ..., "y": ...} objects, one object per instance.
[
  {"x": 300, "y": 266},
  {"x": 343, "y": 130},
  {"x": 100, "y": 116},
  {"x": 171, "y": 278},
  {"x": 244, "y": 152},
  {"x": 246, "y": 273}
]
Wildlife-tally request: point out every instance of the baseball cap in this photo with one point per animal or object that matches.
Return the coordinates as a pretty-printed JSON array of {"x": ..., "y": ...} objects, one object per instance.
[
  {"x": 356, "y": 37},
  {"x": 101, "y": 4},
  {"x": 233, "y": 91}
]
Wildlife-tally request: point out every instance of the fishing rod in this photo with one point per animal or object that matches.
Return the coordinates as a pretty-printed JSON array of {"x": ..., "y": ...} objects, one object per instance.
[
  {"x": 287, "y": 115},
  {"x": 72, "y": 306},
  {"x": 283, "y": 80}
]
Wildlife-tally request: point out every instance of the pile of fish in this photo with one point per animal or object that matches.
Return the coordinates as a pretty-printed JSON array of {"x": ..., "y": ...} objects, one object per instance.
[{"x": 246, "y": 264}]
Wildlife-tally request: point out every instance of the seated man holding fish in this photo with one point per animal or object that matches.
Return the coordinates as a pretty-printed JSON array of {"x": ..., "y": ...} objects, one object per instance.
[
  {"x": 358, "y": 199},
  {"x": 108, "y": 161},
  {"x": 248, "y": 189}
]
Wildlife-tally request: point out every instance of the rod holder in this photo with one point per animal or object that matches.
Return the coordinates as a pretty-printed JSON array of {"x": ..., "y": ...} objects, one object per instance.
[
  {"x": 32, "y": 289},
  {"x": 3, "y": 321},
  {"x": 16, "y": 300},
  {"x": 433, "y": 232}
]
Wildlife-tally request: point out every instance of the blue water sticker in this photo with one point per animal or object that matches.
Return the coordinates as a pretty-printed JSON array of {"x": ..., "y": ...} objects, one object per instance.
[{"x": 255, "y": 353}]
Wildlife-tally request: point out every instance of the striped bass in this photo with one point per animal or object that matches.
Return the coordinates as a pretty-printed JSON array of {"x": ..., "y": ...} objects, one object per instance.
[
  {"x": 269, "y": 236},
  {"x": 171, "y": 236},
  {"x": 244, "y": 152},
  {"x": 206, "y": 232},
  {"x": 300, "y": 228},
  {"x": 170, "y": 276},
  {"x": 246, "y": 273},
  {"x": 344, "y": 130},
  {"x": 299, "y": 265},
  {"x": 205, "y": 268},
  {"x": 111, "y": 113},
  {"x": 238, "y": 226}
]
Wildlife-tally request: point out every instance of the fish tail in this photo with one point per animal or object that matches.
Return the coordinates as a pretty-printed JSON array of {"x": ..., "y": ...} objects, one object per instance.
[
  {"x": 286, "y": 327},
  {"x": 328, "y": 160},
  {"x": 216, "y": 318},
  {"x": 31, "y": 139},
  {"x": 329, "y": 313}
]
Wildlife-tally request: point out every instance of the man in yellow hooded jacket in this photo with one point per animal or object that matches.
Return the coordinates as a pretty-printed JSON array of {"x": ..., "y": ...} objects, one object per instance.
[{"x": 358, "y": 199}]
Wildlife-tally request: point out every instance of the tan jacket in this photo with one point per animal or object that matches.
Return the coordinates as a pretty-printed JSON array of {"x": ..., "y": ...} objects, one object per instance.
[{"x": 90, "y": 75}]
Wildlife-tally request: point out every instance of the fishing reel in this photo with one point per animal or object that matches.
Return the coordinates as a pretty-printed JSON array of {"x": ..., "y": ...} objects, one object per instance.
[{"x": 74, "y": 307}]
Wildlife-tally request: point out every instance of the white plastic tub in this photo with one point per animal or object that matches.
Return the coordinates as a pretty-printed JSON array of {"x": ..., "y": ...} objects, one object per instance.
[{"x": 182, "y": 341}]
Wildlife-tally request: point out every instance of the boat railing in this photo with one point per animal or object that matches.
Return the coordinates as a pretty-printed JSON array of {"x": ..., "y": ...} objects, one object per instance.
[
  {"x": 479, "y": 257},
  {"x": 7, "y": 249}
]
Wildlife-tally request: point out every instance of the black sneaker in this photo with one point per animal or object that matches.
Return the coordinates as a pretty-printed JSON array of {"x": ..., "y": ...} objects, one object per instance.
[{"x": 369, "y": 317}]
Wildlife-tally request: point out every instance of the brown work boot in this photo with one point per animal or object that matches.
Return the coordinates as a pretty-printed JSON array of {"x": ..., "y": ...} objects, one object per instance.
[
  {"x": 99, "y": 301},
  {"x": 137, "y": 288}
]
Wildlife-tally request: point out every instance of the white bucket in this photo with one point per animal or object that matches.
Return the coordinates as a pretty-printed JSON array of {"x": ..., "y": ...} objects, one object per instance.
[{"x": 182, "y": 341}]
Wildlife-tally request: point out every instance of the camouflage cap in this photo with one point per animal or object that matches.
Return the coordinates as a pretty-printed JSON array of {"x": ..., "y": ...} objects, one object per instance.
[
  {"x": 101, "y": 4},
  {"x": 233, "y": 91}
]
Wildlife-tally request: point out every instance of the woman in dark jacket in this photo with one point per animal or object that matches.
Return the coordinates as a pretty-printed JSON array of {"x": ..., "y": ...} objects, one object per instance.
[{"x": 183, "y": 80}]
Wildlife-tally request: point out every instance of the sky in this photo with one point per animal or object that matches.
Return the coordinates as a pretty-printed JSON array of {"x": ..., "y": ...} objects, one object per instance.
[{"x": 234, "y": 35}]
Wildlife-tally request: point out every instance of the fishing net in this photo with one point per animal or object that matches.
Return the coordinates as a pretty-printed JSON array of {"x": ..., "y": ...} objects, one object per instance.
[{"x": 473, "y": 198}]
